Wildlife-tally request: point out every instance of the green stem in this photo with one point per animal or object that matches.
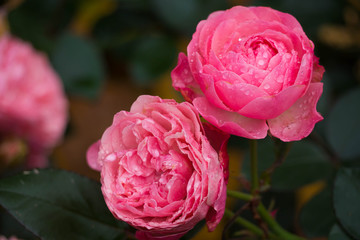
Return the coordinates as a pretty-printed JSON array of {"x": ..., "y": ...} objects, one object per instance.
[
  {"x": 254, "y": 166},
  {"x": 245, "y": 223},
  {"x": 239, "y": 195},
  {"x": 274, "y": 226},
  {"x": 250, "y": 226}
]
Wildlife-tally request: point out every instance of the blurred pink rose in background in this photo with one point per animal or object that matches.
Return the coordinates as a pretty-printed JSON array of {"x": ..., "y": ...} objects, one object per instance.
[
  {"x": 252, "y": 69},
  {"x": 33, "y": 106},
  {"x": 159, "y": 172}
]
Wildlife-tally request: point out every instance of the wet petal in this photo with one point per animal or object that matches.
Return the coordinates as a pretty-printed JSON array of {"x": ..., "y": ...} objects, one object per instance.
[
  {"x": 299, "y": 120},
  {"x": 183, "y": 80},
  {"x": 231, "y": 122},
  {"x": 272, "y": 106},
  {"x": 92, "y": 156}
]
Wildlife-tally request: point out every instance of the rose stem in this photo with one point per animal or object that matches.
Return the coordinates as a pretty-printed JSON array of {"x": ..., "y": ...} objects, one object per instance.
[
  {"x": 240, "y": 195},
  {"x": 245, "y": 223},
  {"x": 254, "y": 166},
  {"x": 274, "y": 226}
]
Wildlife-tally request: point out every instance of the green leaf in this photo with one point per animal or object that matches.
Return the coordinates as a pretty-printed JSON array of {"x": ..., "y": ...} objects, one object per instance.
[
  {"x": 79, "y": 65},
  {"x": 304, "y": 164},
  {"x": 347, "y": 199},
  {"x": 184, "y": 15},
  {"x": 56, "y": 204},
  {"x": 317, "y": 217},
  {"x": 343, "y": 128},
  {"x": 38, "y": 21},
  {"x": 337, "y": 233},
  {"x": 152, "y": 56}
]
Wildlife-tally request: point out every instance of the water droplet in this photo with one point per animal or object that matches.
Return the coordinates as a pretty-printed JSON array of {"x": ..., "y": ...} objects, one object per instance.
[
  {"x": 247, "y": 92},
  {"x": 266, "y": 86},
  {"x": 265, "y": 55},
  {"x": 240, "y": 39},
  {"x": 261, "y": 62},
  {"x": 289, "y": 129},
  {"x": 280, "y": 79},
  {"x": 305, "y": 114},
  {"x": 313, "y": 93},
  {"x": 111, "y": 157}
]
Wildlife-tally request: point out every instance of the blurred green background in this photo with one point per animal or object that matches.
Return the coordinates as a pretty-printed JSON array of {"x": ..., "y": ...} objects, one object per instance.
[{"x": 108, "y": 52}]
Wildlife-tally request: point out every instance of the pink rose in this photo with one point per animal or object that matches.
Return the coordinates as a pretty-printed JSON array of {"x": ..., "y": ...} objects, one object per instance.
[
  {"x": 250, "y": 70},
  {"x": 33, "y": 106},
  {"x": 159, "y": 172}
]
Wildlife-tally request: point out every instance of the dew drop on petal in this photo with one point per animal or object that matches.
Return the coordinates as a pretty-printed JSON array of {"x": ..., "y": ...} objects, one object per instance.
[
  {"x": 287, "y": 130},
  {"x": 261, "y": 62},
  {"x": 266, "y": 86},
  {"x": 111, "y": 157}
]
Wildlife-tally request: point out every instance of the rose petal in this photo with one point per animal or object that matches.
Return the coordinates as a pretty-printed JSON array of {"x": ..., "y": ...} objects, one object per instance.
[
  {"x": 266, "y": 13},
  {"x": 141, "y": 101},
  {"x": 299, "y": 120},
  {"x": 318, "y": 71},
  {"x": 222, "y": 34},
  {"x": 92, "y": 156},
  {"x": 216, "y": 212},
  {"x": 218, "y": 140},
  {"x": 237, "y": 95},
  {"x": 272, "y": 106},
  {"x": 183, "y": 81},
  {"x": 231, "y": 122},
  {"x": 305, "y": 71}
]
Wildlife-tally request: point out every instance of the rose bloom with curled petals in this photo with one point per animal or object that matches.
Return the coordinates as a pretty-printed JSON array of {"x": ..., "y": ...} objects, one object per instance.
[
  {"x": 33, "y": 106},
  {"x": 159, "y": 171},
  {"x": 252, "y": 69}
]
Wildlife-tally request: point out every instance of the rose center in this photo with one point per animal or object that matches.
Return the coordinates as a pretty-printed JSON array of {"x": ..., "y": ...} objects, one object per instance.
[{"x": 259, "y": 52}]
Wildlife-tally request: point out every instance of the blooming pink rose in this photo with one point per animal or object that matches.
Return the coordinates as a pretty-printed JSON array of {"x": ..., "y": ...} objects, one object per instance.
[
  {"x": 250, "y": 70},
  {"x": 33, "y": 106},
  {"x": 159, "y": 172}
]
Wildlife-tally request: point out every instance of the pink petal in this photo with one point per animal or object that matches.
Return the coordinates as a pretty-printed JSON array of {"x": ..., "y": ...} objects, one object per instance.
[
  {"x": 231, "y": 122},
  {"x": 207, "y": 84},
  {"x": 141, "y": 101},
  {"x": 299, "y": 120},
  {"x": 240, "y": 14},
  {"x": 92, "y": 156},
  {"x": 272, "y": 106},
  {"x": 237, "y": 95},
  {"x": 318, "y": 71},
  {"x": 222, "y": 34},
  {"x": 218, "y": 140},
  {"x": 305, "y": 71},
  {"x": 183, "y": 80},
  {"x": 266, "y": 13},
  {"x": 216, "y": 212}
]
